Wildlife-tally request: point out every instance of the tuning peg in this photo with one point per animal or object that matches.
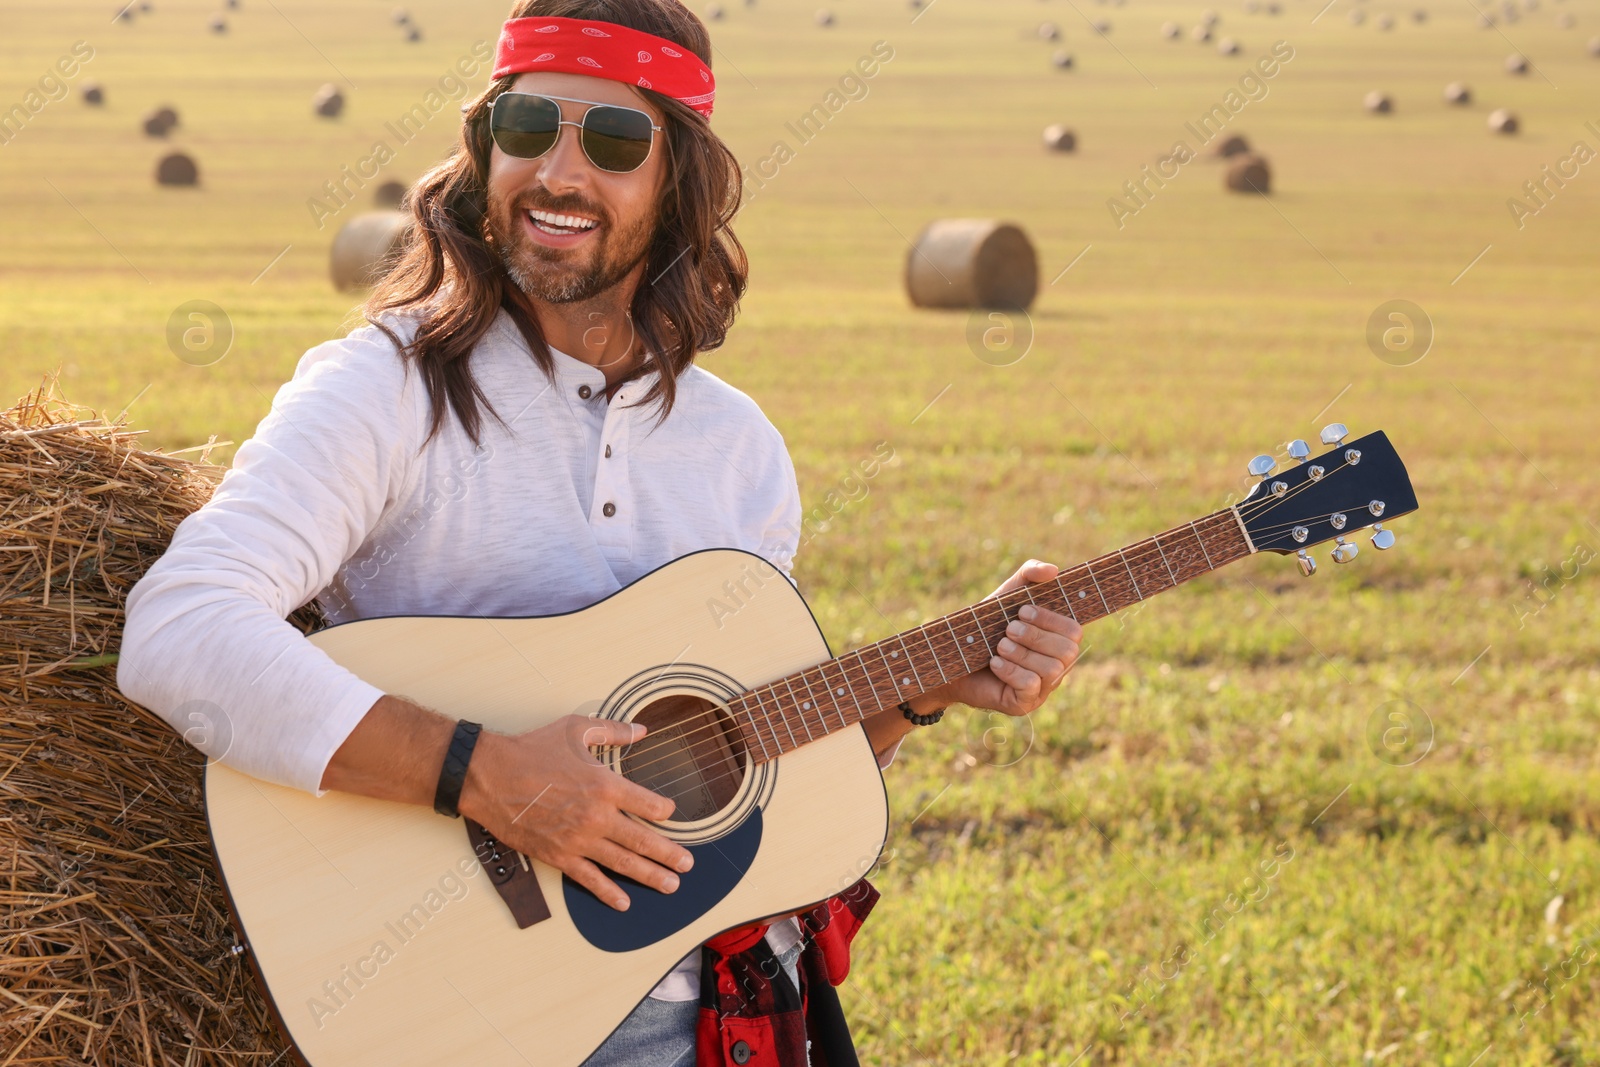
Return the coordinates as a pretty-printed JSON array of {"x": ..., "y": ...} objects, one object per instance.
[
  {"x": 1308, "y": 566},
  {"x": 1382, "y": 539},
  {"x": 1299, "y": 451},
  {"x": 1344, "y": 551},
  {"x": 1262, "y": 466},
  {"x": 1334, "y": 433}
]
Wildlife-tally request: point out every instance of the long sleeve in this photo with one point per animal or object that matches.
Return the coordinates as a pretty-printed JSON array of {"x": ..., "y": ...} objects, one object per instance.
[{"x": 206, "y": 645}]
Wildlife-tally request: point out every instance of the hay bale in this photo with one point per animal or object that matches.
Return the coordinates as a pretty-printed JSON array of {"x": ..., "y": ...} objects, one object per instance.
[
  {"x": 1234, "y": 145},
  {"x": 401, "y": 16},
  {"x": 1062, "y": 60},
  {"x": 92, "y": 94},
  {"x": 114, "y": 946},
  {"x": 1228, "y": 46},
  {"x": 1384, "y": 22},
  {"x": 1419, "y": 16},
  {"x": 1274, "y": 9},
  {"x": 713, "y": 12},
  {"x": 1516, "y": 63},
  {"x": 972, "y": 263},
  {"x": 1566, "y": 20},
  {"x": 1485, "y": 21},
  {"x": 160, "y": 122},
  {"x": 824, "y": 17},
  {"x": 1201, "y": 33},
  {"x": 1357, "y": 17},
  {"x": 1170, "y": 30},
  {"x": 389, "y": 194},
  {"x": 1101, "y": 26},
  {"x": 329, "y": 101},
  {"x": 1457, "y": 93},
  {"x": 1378, "y": 103},
  {"x": 218, "y": 24},
  {"x": 1058, "y": 138},
  {"x": 414, "y": 34},
  {"x": 1049, "y": 31},
  {"x": 1503, "y": 121},
  {"x": 1594, "y": 47},
  {"x": 1208, "y": 17},
  {"x": 176, "y": 168},
  {"x": 1508, "y": 13},
  {"x": 364, "y": 248},
  {"x": 1249, "y": 174},
  {"x": 124, "y": 14},
  {"x": 232, "y": 5},
  {"x": 1251, "y": 7}
]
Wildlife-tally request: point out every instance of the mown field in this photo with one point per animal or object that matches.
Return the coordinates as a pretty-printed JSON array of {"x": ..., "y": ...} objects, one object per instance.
[{"x": 1216, "y": 844}]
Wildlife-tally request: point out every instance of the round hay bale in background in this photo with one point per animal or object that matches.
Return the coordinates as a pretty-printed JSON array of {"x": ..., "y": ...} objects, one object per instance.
[
  {"x": 1357, "y": 17},
  {"x": 414, "y": 34},
  {"x": 1274, "y": 9},
  {"x": 1566, "y": 21},
  {"x": 1201, "y": 33},
  {"x": 824, "y": 17},
  {"x": 1502, "y": 121},
  {"x": 1049, "y": 31},
  {"x": 218, "y": 24},
  {"x": 1058, "y": 138},
  {"x": 713, "y": 12},
  {"x": 176, "y": 168},
  {"x": 232, "y": 5},
  {"x": 124, "y": 14},
  {"x": 329, "y": 101},
  {"x": 1234, "y": 145},
  {"x": 401, "y": 16},
  {"x": 972, "y": 263},
  {"x": 1457, "y": 93},
  {"x": 160, "y": 122},
  {"x": 1249, "y": 174},
  {"x": 1208, "y": 17},
  {"x": 1062, "y": 60},
  {"x": 1485, "y": 21},
  {"x": 1251, "y": 6},
  {"x": 92, "y": 94},
  {"x": 390, "y": 194},
  {"x": 1101, "y": 26},
  {"x": 1384, "y": 22},
  {"x": 1594, "y": 46},
  {"x": 1378, "y": 103},
  {"x": 1419, "y": 16},
  {"x": 1516, "y": 63},
  {"x": 364, "y": 248},
  {"x": 1170, "y": 30},
  {"x": 1508, "y": 13},
  {"x": 1228, "y": 46}
]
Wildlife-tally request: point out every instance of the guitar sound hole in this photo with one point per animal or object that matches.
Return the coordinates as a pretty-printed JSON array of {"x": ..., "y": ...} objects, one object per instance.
[{"x": 692, "y": 755}]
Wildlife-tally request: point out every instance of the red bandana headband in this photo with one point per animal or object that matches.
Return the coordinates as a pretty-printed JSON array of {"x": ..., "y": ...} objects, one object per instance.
[{"x": 605, "y": 50}]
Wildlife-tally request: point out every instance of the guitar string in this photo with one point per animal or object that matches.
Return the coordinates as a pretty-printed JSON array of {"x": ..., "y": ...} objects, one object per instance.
[{"x": 712, "y": 715}]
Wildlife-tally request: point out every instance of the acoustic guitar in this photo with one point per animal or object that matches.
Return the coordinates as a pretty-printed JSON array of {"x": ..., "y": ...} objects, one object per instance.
[{"x": 386, "y": 936}]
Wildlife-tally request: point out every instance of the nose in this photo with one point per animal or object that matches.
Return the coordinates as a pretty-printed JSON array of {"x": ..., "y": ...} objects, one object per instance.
[{"x": 565, "y": 168}]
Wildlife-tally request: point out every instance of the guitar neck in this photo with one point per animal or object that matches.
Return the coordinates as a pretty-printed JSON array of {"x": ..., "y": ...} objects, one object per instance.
[{"x": 812, "y": 703}]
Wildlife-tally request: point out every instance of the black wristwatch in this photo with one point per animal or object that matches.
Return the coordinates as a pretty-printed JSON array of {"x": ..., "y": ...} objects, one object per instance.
[
  {"x": 920, "y": 720},
  {"x": 453, "y": 775}
]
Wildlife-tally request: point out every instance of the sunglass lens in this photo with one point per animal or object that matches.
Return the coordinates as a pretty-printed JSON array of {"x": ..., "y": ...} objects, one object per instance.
[
  {"x": 616, "y": 138},
  {"x": 525, "y": 126}
]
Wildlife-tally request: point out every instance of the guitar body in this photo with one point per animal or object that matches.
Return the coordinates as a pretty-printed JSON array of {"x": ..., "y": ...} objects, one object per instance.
[{"x": 381, "y": 938}]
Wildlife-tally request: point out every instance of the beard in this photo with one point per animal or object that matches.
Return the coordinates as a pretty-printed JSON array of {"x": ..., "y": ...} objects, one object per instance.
[{"x": 563, "y": 275}]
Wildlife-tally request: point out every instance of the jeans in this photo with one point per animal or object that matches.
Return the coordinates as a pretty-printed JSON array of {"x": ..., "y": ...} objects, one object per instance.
[{"x": 661, "y": 1033}]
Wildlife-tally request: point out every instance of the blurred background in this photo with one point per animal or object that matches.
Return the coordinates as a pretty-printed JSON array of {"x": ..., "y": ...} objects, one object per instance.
[{"x": 1407, "y": 743}]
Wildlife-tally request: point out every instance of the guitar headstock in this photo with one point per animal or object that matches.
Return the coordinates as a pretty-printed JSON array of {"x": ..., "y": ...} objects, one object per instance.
[{"x": 1355, "y": 485}]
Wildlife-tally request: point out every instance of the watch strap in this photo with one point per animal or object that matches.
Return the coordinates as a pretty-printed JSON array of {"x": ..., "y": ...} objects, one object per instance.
[{"x": 453, "y": 775}]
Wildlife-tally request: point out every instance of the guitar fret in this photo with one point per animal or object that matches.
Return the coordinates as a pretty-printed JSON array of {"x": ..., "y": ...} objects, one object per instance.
[
  {"x": 1098, "y": 591},
  {"x": 1202, "y": 541},
  {"x": 959, "y": 650},
  {"x": 798, "y": 705},
  {"x": 805, "y": 681},
  {"x": 771, "y": 729},
  {"x": 910, "y": 662},
  {"x": 793, "y": 743},
  {"x": 833, "y": 696},
  {"x": 1136, "y": 591},
  {"x": 934, "y": 651},
  {"x": 986, "y": 648},
  {"x": 755, "y": 731},
  {"x": 851, "y": 685},
  {"x": 1157, "y": 542}
]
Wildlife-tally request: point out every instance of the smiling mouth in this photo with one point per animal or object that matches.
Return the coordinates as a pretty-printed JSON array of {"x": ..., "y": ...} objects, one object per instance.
[{"x": 557, "y": 224}]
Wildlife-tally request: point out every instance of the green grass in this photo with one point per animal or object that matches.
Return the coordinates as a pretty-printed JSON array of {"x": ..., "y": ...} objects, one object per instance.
[{"x": 1039, "y": 887}]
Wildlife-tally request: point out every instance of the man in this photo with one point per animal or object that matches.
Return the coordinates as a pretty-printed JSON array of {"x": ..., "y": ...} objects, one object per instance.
[{"x": 567, "y": 263}]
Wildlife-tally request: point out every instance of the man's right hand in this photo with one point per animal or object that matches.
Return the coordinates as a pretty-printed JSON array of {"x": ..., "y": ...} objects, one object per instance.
[{"x": 545, "y": 794}]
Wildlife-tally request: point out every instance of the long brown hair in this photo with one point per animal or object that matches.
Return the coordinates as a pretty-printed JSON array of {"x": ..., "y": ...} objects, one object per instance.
[{"x": 695, "y": 270}]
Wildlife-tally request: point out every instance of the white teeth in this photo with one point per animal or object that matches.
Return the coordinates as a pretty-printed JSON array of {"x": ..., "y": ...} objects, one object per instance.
[{"x": 568, "y": 222}]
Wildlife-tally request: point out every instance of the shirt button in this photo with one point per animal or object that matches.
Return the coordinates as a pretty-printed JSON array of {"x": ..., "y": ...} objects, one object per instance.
[
  {"x": 608, "y": 451},
  {"x": 741, "y": 1052},
  {"x": 609, "y": 510},
  {"x": 584, "y": 392}
]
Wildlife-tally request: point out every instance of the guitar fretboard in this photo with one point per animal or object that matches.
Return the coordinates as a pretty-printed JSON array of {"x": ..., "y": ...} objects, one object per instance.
[{"x": 803, "y": 707}]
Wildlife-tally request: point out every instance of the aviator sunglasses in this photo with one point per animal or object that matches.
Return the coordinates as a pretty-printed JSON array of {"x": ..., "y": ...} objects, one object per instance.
[{"x": 616, "y": 139}]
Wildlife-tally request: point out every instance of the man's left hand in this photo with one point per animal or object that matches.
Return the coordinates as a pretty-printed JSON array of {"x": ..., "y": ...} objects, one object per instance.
[{"x": 1033, "y": 658}]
